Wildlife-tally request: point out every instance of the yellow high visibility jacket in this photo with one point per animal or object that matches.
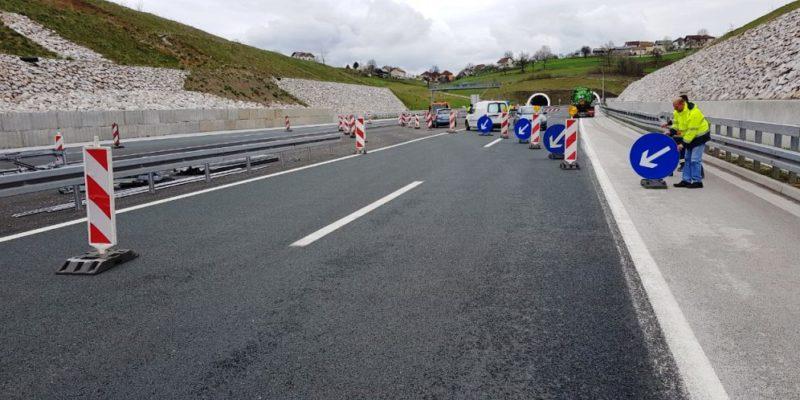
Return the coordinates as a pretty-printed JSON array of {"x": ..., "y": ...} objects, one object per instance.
[{"x": 690, "y": 122}]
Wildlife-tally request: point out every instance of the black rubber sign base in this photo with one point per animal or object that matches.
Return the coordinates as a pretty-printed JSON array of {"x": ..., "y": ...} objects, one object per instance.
[
  {"x": 93, "y": 263},
  {"x": 654, "y": 184}
]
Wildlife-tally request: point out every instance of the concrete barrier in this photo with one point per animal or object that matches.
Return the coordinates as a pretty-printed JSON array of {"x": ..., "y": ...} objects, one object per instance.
[
  {"x": 775, "y": 111},
  {"x": 37, "y": 129}
]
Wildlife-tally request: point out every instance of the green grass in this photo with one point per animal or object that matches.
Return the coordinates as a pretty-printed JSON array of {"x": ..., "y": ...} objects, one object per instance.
[
  {"x": 760, "y": 21},
  {"x": 13, "y": 43}
]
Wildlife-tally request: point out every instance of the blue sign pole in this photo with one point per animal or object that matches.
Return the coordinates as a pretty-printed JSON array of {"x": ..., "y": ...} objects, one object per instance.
[
  {"x": 554, "y": 141},
  {"x": 485, "y": 125},
  {"x": 522, "y": 130},
  {"x": 654, "y": 156}
]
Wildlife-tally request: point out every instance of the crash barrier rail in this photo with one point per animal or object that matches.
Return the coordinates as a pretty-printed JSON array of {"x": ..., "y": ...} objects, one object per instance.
[{"x": 740, "y": 140}]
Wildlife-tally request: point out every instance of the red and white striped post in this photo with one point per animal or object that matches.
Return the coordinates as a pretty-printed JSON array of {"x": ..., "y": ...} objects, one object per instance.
[
  {"x": 402, "y": 119},
  {"x": 101, "y": 220},
  {"x": 452, "y": 128},
  {"x": 429, "y": 120},
  {"x": 341, "y": 123},
  {"x": 504, "y": 125},
  {"x": 361, "y": 139},
  {"x": 416, "y": 121},
  {"x": 536, "y": 136},
  {"x": 352, "y": 126},
  {"x": 570, "y": 145},
  {"x": 367, "y": 118},
  {"x": 115, "y": 139},
  {"x": 286, "y": 122},
  {"x": 61, "y": 156}
]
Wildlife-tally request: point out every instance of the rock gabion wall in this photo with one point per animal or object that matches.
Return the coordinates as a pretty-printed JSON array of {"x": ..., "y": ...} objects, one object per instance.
[
  {"x": 342, "y": 97},
  {"x": 47, "y": 38},
  {"x": 761, "y": 64}
]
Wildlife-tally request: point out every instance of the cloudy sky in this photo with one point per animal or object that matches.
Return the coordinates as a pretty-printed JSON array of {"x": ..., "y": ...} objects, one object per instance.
[{"x": 415, "y": 34}]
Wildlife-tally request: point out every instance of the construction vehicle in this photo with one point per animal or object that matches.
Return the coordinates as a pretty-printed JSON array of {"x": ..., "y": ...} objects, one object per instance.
[{"x": 582, "y": 99}]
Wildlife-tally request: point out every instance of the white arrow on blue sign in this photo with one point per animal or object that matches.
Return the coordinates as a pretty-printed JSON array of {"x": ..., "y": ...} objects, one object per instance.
[
  {"x": 554, "y": 139},
  {"x": 523, "y": 129},
  {"x": 654, "y": 156},
  {"x": 485, "y": 124}
]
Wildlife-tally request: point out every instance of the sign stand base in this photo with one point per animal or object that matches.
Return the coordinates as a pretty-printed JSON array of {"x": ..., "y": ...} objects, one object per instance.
[
  {"x": 535, "y": 146},
  {"x": 93, "y": 263},
  {"x": 567, "y": 165},
  {"x": 524, "y": 141},
  {"x": 653, "y": 184},
  {"x": 554, "y": 156}
]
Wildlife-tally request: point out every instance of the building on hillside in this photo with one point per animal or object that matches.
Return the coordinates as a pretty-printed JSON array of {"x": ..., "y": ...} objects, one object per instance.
[
  {"x": 601, "y": 51},
  {"x": 304, "y": 56},
  {"x": 665, "y": 45},
  {"x": 446, "y": 77},
  {"x": 693, "y": 42},
  {"x": 429, "y": 76},
  {"x": 398, "y": 73},
  {"x": 381, "y": 73},
  {"x": 505, "y": 62},
  {"x": 639, "y": 43}
]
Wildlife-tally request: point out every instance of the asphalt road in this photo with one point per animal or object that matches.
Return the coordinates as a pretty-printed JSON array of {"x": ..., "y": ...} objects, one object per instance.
[{"x": 497, "y": 277}]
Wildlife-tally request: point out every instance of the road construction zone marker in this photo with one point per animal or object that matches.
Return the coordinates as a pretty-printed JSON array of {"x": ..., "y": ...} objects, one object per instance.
[
  {"x": 286, "y": 122},
  {"x": 100, "y": 216},
  {"x": 341, "y": 123},
  {"x": 504, "y": 125},
  {"x": 367, "y": 118},
  {"x": 401, "y": 119},
  {"x": 416, "y": 121},
  {"x": 61, "y": 155},
  {"x": 429, "y": 120},
  {"x": 115, "y": 136},
  {"x": 571, "y": 146},
  {"x": 351, "y": 124},
  {"x": 536, "y": 137},
  {"x": 452, "y": 128},
  {"x": 361, "y": 136}
]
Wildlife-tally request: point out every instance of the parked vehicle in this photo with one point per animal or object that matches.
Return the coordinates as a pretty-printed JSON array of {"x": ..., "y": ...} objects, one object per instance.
[
  {"x": 435, "y": 107},
  {"x": 527, "y": 113},
  {"x": 491, "y": 108},
  {"x": 442, "y": 117}
]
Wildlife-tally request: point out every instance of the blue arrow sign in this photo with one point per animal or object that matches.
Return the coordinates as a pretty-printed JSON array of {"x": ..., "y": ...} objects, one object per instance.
[
  {"x": 654, "y": 156},
  {"x": 523, "y": 129},
  {"x": 554, "y": 139},
  {"x": 485, "y": 124}
]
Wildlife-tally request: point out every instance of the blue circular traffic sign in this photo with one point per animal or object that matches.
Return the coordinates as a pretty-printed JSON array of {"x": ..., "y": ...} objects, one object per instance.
[
  {"x": 485, "y": 124},
  {"x": 554, "y": 139},
  {"x": 654, "y": 156},
  {"x": 523, "y": 129}
]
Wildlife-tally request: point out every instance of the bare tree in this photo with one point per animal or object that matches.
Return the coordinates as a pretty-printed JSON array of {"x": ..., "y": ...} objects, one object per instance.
[
  {"x": 372, "y": 65},
  {"x": 140, "y": 5},
  {"x": 586, "y": 50},
  {"x": 543, "y": 55},
  {"x": 668, "y": 44},
  {"x": 322, "y": 54},
  {"x": 434, "y": 69},
  {"x": 522, "y": 60},
  {"x": 508, "y": 54},
  {"x": 703, "y": 32},
  {"x": 355, "y": 65}
]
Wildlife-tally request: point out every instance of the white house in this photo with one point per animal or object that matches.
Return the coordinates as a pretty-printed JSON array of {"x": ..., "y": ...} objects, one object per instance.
[
  {"x": 304, "y": 56},
  {"x": 398, "y": 73},
  {"x": 505, "y": 62}
]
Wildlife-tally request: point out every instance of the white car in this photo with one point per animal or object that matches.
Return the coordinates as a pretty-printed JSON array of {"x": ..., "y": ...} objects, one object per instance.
[{"x": 492, "y": 108}]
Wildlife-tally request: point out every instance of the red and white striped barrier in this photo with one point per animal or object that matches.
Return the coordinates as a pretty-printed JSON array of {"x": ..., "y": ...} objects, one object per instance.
[
  {"x": 286, "y": 122},
  {"x": 115, "y": 135},
  {"x": 536, "y": 129},
  {"x": 416, "y": 121},
  {"x": 504, "y": 125},
  {"x": 570, "y": 145},
  {"x": 101, "y": 220},
  {"x": 61, "y": 157},
  {"x": 341, "y": 123},
  {"x": 402, "y": 119},
  {"x": 361, "y": 139},
  {"x": 452, "y": 128},
  {"x": 352, "y": 125},
  {"x": 367, "y": 118},
  {"x": 429, "y": 120}
]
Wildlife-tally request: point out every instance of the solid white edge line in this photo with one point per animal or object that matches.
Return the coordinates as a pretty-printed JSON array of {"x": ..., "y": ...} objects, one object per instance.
[
  {"x": 696, "y": 370},
  {"x": 492, "y": 143},
  {"x": 319, "y": 234},
  {"x": 199, "y": 192}
]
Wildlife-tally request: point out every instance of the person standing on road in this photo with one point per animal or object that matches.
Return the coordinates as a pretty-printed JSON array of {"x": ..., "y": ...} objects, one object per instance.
[{"x": 694, "y": 130}]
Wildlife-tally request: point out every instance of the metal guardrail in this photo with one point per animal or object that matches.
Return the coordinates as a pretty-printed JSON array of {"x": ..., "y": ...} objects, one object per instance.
[{"x": 740, "y": 140}]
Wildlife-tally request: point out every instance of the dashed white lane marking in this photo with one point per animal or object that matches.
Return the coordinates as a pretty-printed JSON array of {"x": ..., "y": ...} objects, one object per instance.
[
  {"x": 492, "y": 143},
  {"x": 696, "y": 370},
  {"x": 199, "y": 192},
  {"x": 354, "y": 216}
]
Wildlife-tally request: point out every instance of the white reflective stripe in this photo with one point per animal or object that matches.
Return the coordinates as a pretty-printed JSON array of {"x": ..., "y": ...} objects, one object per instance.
[{"x": 101, "y": 222}]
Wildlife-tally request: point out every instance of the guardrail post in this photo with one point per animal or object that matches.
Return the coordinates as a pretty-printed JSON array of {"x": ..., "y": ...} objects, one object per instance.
[
  {"x": 743, "y": 133},
  {"x": 247, "y": 163},
  {"x": 729, "y": 131},
  {"x": 759, "y": 137},
  {"x": 208, "y": 172},
  {"x": 76, "y": 194},
  {"x": 151, "y": 183}
]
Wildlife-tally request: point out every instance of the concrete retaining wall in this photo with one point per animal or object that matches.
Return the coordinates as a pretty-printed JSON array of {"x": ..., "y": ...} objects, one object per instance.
[
  {"x": 38, "y": 129},
  {"x": 773, "y": 111}
]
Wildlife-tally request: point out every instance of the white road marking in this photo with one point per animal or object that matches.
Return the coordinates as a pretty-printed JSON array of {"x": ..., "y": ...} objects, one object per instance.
[
  {"x": 354, "y": 216},
  {"x": 492, "y": 143},
  {"x": 199, "y": 192},
  {"x": 696, "y": 370}
]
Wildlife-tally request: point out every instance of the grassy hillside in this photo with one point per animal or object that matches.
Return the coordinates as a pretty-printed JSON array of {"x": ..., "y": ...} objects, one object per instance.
[
  {"x": 13, "y": 43},
  {"x": 762, "y": 20}
]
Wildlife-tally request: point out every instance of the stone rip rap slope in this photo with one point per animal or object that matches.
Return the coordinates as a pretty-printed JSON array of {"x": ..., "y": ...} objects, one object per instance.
[
  {"x": 343, "y": 97},
  {"x": 761, "y": 64}
]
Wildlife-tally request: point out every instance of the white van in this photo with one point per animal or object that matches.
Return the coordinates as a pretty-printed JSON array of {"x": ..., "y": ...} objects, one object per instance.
[{"x": 492, "y": 108}]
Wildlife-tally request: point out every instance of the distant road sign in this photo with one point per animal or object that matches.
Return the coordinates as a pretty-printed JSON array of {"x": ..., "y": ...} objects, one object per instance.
[
  {"x": 654, "y": 156},
  {"x": 485, "y": 124},
  {"x": 522, "y": 129},
  {"x": 554, "y": 139}
]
